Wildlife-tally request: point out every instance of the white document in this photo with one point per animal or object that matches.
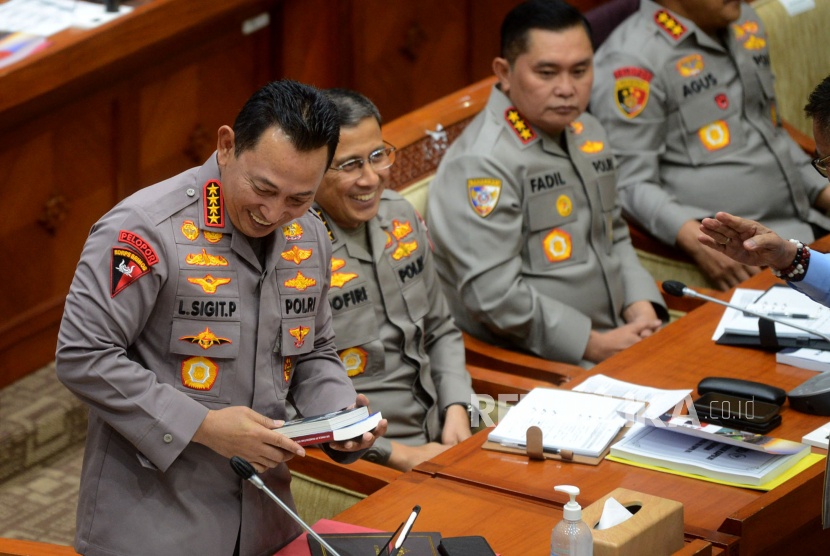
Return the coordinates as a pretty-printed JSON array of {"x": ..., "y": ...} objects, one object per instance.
[
  {"x": 47, "y": 17},
  {"x": 742, "y": 297},
  {"x": 781, "y": 302},
  {"x": 795, "y": 7},
  {"x": 811, "y": 359},
  {"x": 582, "y": 423},
  {"x": 819, "y": 438},
  {"x": 659, "y": 401}
]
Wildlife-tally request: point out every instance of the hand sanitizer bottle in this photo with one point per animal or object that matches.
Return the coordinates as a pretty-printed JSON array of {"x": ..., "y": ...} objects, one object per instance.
[{"x": 571, "y": 536}]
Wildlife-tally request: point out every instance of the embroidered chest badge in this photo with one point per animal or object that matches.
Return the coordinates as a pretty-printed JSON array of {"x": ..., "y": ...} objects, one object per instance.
[
  {"x": 354, "y": 359},
  {"x": 747, "y": 34},
  {"x": 519, "y": 125},
  {"x": 714, "y": 136},
  {"x": 206, "y": 339},
  {"x": 669, "y": 24},
  {"x": 690, "y": 66},
  {"x": 299, "y": 335},
  {"x": 483, "y": 194},
  {"x": 142, "y": 246},
  {"x": 722, "y": 101},
  {"x": 209, "y": 283},
  {"x": 557, "y": 245},
  {"x": 591, "y": 147},
  {"x": 189, "y": 230},
  {"x": 404, "y": 250},
  {"x": 205, "y": 259},
  {"x": 214, "y": 204},
  {"x": 300, "y": 282},
  {"x": 287, "y": 367},
  {"x": 631, "y": 90},
  {"x": 296, "y": 255},
  {"x": 293, "y": 231},
  {"x": 399, "y": 230},
  {"x": 213, "y": 237},
  {"x": 199, "y": 373},
  {"x": 564, "y": 205}
]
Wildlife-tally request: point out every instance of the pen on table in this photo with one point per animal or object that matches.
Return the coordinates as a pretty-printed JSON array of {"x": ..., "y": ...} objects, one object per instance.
[
  {"x": 789, "y": 315},
  {"x": 409, "y": 522}
]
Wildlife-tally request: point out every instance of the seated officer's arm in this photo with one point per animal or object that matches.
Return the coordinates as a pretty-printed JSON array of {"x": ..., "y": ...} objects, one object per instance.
[
  {"x": 639, "y": 140},
  {"x": 404, "y": 458},
  {"x": 442, "y": 340},
  {"x": 97, "y": 328},
  {"x": 485, "y": 256}
]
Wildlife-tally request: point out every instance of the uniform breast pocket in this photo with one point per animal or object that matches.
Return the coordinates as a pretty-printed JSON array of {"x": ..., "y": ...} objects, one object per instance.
[
  {"x": 207, "y": 354},
  {"x": 713, "y": 126},
  {"x": 358, "y": 341},
  {"x": 296, "y": 336},
  {"x": 551, "y": 209},
  {"x": 553, "y": 241},
  {"x": 415, "y": 296}
]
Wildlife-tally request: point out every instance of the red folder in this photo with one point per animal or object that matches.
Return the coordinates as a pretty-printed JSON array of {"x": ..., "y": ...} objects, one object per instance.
[{"x": 299, "y": 546}]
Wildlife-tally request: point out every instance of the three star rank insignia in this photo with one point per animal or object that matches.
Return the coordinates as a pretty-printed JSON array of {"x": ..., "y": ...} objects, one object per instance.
[
  {"x": 214, "y": 205},
  {"x": 209, "y": 283},
  {"x": 296, "y": 255},
  {"x": 669, "y": 24},
  {"x": 518, "y": 124},
  {"x": 206, "y": 339}
]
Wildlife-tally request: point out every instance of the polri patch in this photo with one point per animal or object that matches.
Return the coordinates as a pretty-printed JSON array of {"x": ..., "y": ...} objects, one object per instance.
[
  {"x": 354, "y": 359},
  {"x": 189, "y": 230},
  {"x": 484, "y": 194},
  {"x": 519, "y": 125},
  {"x": 296, "y": 255},
  {"x": 214, "y": 204},
  {"x": 690, "y": 66},
  {"x": 142, "y": 246},
  {"x": 631, "y": 89},
  {"x": 126, "y": 266},
  {"x": 668, "y": 23},
  {"x": 199, "y": 373},
  {"x": 206, "y": 339},
  {"x": 209, "y": 283}
]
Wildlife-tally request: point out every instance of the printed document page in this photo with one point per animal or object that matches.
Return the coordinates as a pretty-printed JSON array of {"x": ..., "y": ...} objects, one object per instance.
[{"x": 659, "y": 401}]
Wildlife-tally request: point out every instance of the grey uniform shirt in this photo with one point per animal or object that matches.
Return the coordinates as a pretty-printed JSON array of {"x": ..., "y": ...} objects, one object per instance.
[
  {"x": 693, "y": 123},
  {"x": 529, "y": 240},
  {"x": 171, "y": 314},
  {"x": 395, "y": 334}
]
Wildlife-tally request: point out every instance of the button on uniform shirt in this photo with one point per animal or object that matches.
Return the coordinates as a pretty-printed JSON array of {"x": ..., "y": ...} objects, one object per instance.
[
  {"x": 694, "y": 125},
  {"x": 171, "y": 313},
  {"x": 394, "y": 331},
  {"x": 529, "y": 240}
]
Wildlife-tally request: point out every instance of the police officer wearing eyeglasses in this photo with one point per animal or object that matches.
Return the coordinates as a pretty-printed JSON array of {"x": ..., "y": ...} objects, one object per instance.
[
  {"x": 394, "y": 332},
  {"x": 754, "y": 244}
]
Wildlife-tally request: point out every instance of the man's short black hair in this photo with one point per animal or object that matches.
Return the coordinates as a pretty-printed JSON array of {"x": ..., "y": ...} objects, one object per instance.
[
  {"x": 352, "y": 107},
  {"x": 818, "y": 106},
  {"x": 548, "y": 15},
  {"x": 303, "y": 113}
]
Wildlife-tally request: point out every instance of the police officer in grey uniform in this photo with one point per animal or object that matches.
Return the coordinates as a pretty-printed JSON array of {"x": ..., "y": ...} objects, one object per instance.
[
  {"x": 685, "y": 90},
  {"x": 187, "y": 328},
  {"x": 394, "y": 332},
  {"x": 529, "y": 240}
]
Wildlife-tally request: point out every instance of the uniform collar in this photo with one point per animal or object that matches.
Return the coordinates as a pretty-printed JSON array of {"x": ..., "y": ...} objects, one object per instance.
[
  {"x": 213, "y": 217},
  {"x": 340, "y": 238},
  {"x": 522, "y": 132},
  {"x": 674, "y": 28}
]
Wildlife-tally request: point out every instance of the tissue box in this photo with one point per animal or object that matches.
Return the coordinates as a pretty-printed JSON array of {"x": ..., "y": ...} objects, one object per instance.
[{"x": 656, "y": 528}]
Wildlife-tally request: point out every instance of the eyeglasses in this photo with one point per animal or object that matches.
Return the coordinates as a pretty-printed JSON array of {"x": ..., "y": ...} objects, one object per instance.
[
  {"x": 381, "y": 159},
  {"x": 820, "y": 164}
]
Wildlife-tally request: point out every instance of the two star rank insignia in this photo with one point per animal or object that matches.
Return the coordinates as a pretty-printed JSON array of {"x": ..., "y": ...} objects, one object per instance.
[
  {"x": 518, "y": 124},
  {"x": 214, "y": 205}
]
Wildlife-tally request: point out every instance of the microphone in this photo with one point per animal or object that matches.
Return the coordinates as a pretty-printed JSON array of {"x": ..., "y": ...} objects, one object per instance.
[
  {"x": 245, "y": 470},
  {"x": 678, "y": 289}
]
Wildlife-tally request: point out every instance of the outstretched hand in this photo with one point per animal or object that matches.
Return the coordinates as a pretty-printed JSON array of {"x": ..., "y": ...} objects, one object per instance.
[{"x": 746, "y": 241}]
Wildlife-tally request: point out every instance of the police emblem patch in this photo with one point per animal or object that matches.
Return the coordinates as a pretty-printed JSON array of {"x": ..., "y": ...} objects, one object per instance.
[
  {"x": 557, "y": 245},
  {"x": 199, "y": 373},
  {"x": 564, "y": 205},
  {"x": 296, "y": 255},
  {"x": 287, "y": 367},
  {"x": 340, "y": 278},
  {"x": 300, "y": 282},
  {"x": 209, "y": 283},
  {"x": 576, "y": 127},
  {"x": 337, "y": 264},
  {"x": 690, "y": 66},
  {"x": 206, "y": 339},
  {"x": 189, "y": 230},
  {"x": 755, "y": 43},
  {"x": 299, "y": 335},
  {"x": 293, "y": 231},
  {"x": 669, "y": 24},
  {"x": 399, "y": 230},
  {"x": 204, "y": 259},
  {"x": 404, "y": 250},
  {"x": 631, "y": 90},
  {"x": 483, "y": 194},
  {"x": 142, "y": 246},
  {"x": 722, "y": 101},
  {"x": 354, "y": 359},
  {"x": 519, "y": 125},
  {"x": 126, "y": 266},
  {"x": 213, "y": 237},
  {"x": 214, "y": 204},
  {"x": 714, "y": 136},
  {"x": 592, "y": 147}
]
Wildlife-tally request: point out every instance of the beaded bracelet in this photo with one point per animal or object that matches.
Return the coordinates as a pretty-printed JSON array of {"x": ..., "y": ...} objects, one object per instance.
[{"x": 796, "y": 271}]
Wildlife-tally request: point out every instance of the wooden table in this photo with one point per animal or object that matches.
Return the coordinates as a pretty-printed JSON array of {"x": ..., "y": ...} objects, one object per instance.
[{"x": 741, "y": 521}]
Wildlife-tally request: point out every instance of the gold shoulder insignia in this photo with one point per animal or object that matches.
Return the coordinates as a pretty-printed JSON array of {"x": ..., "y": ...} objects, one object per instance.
[
  {"x": 524, "y": 131},
  {"x": 669, "y": 24}
]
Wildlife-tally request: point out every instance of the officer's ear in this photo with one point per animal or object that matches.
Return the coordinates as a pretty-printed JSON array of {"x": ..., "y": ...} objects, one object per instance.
[
  {"x": 224, "y": 145},
  {"x": 501, "y": 67}
]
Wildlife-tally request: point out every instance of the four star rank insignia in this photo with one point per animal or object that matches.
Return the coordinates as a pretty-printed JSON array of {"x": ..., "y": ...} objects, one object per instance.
[{"x": 214, "y": 205}]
